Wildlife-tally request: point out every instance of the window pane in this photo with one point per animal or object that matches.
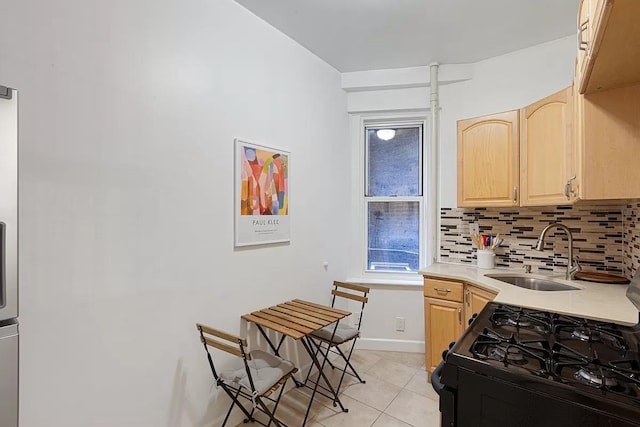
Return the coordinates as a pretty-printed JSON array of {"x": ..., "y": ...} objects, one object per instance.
[
  {"x": 393, "y": 236},
  {"x": 393, "y": 165}
]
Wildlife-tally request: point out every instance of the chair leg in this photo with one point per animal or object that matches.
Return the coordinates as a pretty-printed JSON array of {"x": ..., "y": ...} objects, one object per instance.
[
  {"x": 318, "y": 347},
  {"x": 272, "y": 413},
  {"x": 348, "y": 363},
  {"x": 321, "y": 376},
  {"x": 226, "y": 418},
  {"x": 331, "y": 364},
  {"x": 234, "y": 402}
]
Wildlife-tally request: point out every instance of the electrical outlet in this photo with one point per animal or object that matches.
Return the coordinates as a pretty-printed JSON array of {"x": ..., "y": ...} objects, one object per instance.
[
  {"x": 400, "y": 324},
  {"x": 474, "y": 228}
]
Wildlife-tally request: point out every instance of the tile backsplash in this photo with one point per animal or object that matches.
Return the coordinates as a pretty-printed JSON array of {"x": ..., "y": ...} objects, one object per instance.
[
  {"x": 599, "y": 236},
  {"x": 631, "y": 239}
]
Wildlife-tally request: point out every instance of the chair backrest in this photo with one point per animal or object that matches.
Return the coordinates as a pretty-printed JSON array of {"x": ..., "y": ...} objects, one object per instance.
[
  {"x": 352, "y": 292},
  {"x": 211, "y": 337}
]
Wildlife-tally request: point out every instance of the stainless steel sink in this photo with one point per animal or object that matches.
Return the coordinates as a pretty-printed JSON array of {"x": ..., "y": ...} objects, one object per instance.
[{"x": 534, "y": 283}]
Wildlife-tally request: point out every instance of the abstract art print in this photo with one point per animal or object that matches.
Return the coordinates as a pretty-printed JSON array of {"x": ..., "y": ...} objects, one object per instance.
[{"x": 262, "y": 194}]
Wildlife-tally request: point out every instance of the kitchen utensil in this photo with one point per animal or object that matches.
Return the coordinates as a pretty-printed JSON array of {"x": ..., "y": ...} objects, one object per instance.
[
  {"x": 495, "y": 241},
  {"x": 592, "y": 276},
  {"x": 477, "y": 240}
]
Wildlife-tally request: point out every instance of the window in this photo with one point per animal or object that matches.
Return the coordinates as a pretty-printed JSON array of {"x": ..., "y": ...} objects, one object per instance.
[{"x": 393, "y": 196}]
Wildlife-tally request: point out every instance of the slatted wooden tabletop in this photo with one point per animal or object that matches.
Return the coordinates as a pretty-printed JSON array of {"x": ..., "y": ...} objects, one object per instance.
[{"x": 296, "y": 318}]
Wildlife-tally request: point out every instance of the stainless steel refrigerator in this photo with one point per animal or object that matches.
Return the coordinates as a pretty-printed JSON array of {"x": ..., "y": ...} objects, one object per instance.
[{"x": 8, "y": 257}]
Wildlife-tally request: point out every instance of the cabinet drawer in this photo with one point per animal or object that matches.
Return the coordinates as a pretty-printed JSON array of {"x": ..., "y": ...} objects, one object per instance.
[{"x": 443, "y": 289}]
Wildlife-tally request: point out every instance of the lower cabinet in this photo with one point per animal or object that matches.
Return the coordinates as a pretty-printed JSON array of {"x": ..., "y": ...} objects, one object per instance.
[
  {"x": 443, "y": 317},
  {"x": 448, "y": 307},
  {"x": 475, "y": 299},
  {"x": 443, "y": 324}
]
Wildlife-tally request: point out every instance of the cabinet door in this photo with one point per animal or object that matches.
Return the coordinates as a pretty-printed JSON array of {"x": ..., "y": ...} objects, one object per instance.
[
  {"x": 474, "y": 301},
  {"x": 595, "y": 11},
  {"x": 443, "y": 324},
  {"x": 575, "y": 187},
  {"x": 614, "y": 46},
  {"x": 584, "y": 37},
  {"x": 488, "y": 160},
  {"x": 610, "y": 144},
  {"x": 546, "y": 140}
]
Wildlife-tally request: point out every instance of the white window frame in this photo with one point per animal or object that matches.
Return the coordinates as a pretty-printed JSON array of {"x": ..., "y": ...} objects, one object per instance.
[
  {"x": 374, "y": 199},
  {"x": 358, "y": 125}
]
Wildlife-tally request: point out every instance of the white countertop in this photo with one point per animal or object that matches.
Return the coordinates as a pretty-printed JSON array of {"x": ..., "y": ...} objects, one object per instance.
[{"x": 598, "y": 301}]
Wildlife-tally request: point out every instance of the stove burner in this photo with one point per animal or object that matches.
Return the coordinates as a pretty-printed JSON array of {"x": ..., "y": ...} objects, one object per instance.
[
  {"x": 589, "y": 376},
  {"x": 566, "y": 327},
  {"x": 532, "y": 320},
  {"x": 615, "y": 377},
  {"x": 510, "y": 354},
  {"x": 531, "y": 355},
  {"x": 523, "y": 323},
  {"x": 584, "y": 334}
]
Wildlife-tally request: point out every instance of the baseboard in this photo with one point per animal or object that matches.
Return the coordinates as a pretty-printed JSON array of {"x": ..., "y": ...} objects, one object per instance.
[{"x": 382, "y": 344}]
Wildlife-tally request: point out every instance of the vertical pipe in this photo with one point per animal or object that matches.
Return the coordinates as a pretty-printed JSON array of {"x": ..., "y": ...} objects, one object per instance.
[{"x": 433, "y": 199}]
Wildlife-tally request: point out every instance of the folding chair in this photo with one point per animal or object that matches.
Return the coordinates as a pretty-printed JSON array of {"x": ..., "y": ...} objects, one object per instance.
[
  {"x": 260, "y": 376},
  {"x": 344, "y": 333}
]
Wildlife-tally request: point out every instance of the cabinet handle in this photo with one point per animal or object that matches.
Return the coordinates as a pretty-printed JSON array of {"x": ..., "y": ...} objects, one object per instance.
[
  {"x": 583, "y": 44},
  {"x": 515, "y": 194},
  {"x": 460, "y": 316},
  {"x": 466, "y": 297},
  {"x": 568, "y": 188},
  {"x": 442, "y": 290}
]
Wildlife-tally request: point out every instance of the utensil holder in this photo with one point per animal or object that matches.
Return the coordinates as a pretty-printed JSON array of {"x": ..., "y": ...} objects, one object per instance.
[{"x": 486, "y": 259}]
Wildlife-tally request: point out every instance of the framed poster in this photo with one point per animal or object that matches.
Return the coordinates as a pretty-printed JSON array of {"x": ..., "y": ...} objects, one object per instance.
[{"x": 261, "y": 208}]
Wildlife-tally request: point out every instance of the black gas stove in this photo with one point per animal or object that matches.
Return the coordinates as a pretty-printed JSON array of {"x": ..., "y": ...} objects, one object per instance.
[{"x": 516, "y": 366}]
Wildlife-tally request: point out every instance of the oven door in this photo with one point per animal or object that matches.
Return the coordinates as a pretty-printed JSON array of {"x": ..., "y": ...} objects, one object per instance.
[
  {"x": 486, "y": 401},
  {"x": 447, "y": 390}
]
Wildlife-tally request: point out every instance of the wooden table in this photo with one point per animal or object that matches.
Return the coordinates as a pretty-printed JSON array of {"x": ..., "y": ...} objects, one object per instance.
[{"x": 298, "y": 319}]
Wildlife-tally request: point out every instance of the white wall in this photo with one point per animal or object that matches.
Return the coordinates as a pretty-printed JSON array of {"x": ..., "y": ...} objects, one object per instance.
[
  {"x": 127, "y": 115},
  {"x": 497, "y": 84},
  {"x": 128, "y": 112}
]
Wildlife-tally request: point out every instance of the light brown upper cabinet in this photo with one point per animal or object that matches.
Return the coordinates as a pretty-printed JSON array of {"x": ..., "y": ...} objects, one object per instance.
[
  {"x": 609, "y": 32},
  {"x": 546, "y": 138},
  {"x": 488, "y": 160},
  {"x": 588, "y": 12},
  {"x": 608, "y": 144}
]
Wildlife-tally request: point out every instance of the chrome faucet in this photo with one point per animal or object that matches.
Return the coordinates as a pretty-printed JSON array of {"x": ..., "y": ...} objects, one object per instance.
[{"x": 572, "y": 268}]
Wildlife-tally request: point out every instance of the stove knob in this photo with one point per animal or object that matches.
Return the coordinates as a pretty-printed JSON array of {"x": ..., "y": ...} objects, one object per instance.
[
  {"x": 444, "y": 353},
  {"x": 473, "y": 317}
]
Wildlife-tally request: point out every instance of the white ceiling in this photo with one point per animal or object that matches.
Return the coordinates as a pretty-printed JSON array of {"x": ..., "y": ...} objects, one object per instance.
[{"x": 356, "y": 35}]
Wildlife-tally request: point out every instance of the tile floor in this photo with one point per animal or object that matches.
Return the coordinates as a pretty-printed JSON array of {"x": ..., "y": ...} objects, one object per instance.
[{"x": 396, "y": 394}]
